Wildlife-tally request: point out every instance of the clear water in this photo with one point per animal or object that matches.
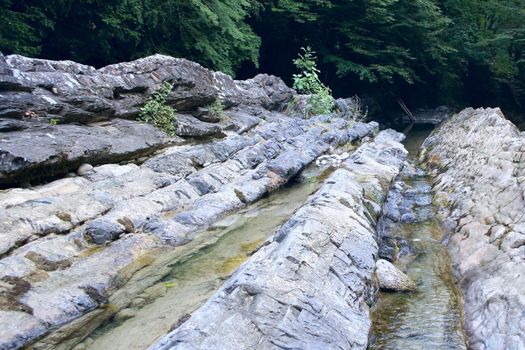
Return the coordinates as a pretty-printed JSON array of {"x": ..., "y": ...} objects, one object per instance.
[
  {"x": 192, "y": 280},
  {"x": 430, "y": 318}
]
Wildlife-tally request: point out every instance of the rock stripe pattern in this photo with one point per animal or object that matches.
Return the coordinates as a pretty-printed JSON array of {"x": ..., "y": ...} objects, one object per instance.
[
  {"x": 309, "y": 285},
  {"x": 68, "y": 246}
]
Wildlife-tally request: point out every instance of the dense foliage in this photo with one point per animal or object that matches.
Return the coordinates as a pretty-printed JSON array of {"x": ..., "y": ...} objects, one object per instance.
[
  {"x": 213, "y": 32},
  {"x": 417, "y": 50}
]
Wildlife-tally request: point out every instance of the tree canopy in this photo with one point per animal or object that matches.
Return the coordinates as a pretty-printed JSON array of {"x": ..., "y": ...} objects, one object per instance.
[{"x": 451, "y": 50}]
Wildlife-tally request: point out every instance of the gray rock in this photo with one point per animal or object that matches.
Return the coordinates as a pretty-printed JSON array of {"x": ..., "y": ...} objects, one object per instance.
[
  {"x": 477, "y": 157},
  {"x": 70, "y": 91},
  {"x": 36, "y": 93},
  {"x": 206, "y": 115},
  {"x": 89, "y": 234},
  {"x": 308, "y": 287},
  {"x": 390, "y": 278},
  {"x": 187, "y": 126},
  {"x": 74, "y": 243},
  {"x": 102, "y": 232},
  {"x": 56, "y": 150}
]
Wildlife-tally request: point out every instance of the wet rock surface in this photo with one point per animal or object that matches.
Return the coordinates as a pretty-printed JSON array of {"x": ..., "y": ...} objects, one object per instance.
[
  {"x": 478, "y": 159},
  {"x": 77, "y": 240},
  {"x": 308, "y": 286},
  {"x": 70, "y": 246}
]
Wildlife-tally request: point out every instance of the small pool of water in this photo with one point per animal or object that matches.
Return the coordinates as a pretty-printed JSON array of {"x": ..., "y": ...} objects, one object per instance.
[
  {"x": 431, "y": 317},
  {"x": 190, "y": 282}
]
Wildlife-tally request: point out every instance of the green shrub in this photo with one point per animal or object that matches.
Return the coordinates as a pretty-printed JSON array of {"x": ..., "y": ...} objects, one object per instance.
[
  {"x": 307, "y": 82},
  {"x": 217, "y": 108},
  {"x": 156, "y": 112}
]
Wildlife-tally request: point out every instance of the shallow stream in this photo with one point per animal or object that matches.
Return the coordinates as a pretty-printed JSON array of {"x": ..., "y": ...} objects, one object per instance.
[
  {"x": 189, "y": 282},
  {"x": 431, "y": 317}
]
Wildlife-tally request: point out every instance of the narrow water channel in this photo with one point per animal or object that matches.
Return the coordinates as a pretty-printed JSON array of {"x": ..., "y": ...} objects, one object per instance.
[
  {"x": 192, "y": 280},
  {"x": 431, "y": 317}
]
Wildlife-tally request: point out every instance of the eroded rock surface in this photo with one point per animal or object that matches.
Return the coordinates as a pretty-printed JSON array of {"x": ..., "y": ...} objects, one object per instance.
[
  {"x": 40, "y": 99},
  {"x": 478, "y": 158},
  {"x": 308, "y": 286},
  {"x": 71, "y": 91},
  {"x": 67, "y": 246}
]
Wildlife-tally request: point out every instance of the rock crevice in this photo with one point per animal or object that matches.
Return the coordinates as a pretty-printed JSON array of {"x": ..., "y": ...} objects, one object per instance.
[{"x": 308, "y": 287}]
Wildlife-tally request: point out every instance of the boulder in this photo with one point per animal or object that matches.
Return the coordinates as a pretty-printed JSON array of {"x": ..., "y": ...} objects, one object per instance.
[
  {"x": 42, "y": 152},
  {"x": 390, "y": 278},
  {"x": 188, "y": 126}
]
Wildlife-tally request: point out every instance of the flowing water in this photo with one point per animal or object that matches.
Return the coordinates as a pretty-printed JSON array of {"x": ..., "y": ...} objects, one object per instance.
[
  {"x": 431, "y": 317},
  {"x": 190, "y": 281}
]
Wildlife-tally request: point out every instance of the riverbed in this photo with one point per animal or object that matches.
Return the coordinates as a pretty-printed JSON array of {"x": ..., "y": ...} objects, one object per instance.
[
  {"x": 192, "y": 280},
  {"x": 431, "y": 317}
]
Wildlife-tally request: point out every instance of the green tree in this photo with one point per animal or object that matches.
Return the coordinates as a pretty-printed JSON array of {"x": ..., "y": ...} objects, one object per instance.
[
  {"x": 377, "y": 40},
  {"x": 212, "y": 32},
  {"x": 490, "y": 38}
]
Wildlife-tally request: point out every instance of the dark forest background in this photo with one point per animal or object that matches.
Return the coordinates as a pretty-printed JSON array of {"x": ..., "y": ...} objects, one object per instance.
[{"x": 425, "y": 52}]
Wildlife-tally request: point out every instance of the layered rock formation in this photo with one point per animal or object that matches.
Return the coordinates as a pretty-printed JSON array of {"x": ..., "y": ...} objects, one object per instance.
[
  {"x": 68, "y": 246},
  {"x": 75, "y": 92},
  {"x": 309, "y": 286},
  {"x": 478, "y": 158},
  {"x": 37, "y": 94}
]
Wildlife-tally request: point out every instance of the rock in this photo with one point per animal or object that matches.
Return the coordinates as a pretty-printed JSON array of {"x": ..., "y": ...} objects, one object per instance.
[
  {"x": 206, "y": 115},
  {"x": 263, "y": 90},
  {"x": 390, "y": 278},
  {"x": 351, "y": 108},
  {"x": 477, "y": 158},
  {"x": 89, "y": 234},
  {"x": 124, "y": 315},
  {"x": 138, "y": 302},
  {"x": 408, "y": 218},
  {"x": 56, "y": 150},
  {"x": 187, "y": 126},
  {"x": 72, "y": 92},
  {"x": 74, "y": 243},
  {"x": 102, "y": 232},
  {"x": 37, "y": 94},
  {"x": 308, "y": 286},
  {"x": 17, "y": 328},
  {"x": 84, "y": 169}
]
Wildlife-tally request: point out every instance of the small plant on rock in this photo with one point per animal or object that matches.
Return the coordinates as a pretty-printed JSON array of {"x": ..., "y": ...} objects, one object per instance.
[
  {"x": 358, "y": 114},
  {"x": 307, "y": 82},
  {"x": 156, "y": 112},
  {"x": 217, "y": 108}
]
